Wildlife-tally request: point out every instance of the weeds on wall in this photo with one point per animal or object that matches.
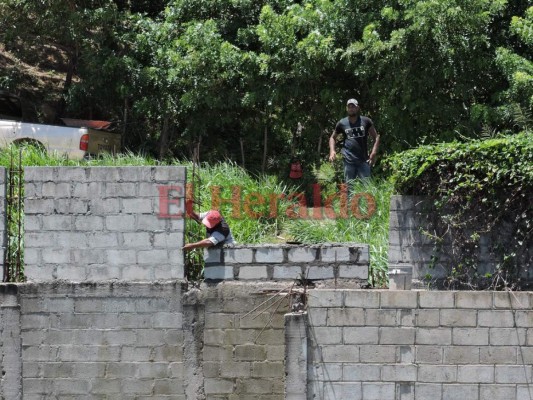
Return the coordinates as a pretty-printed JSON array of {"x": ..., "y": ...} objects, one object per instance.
[{"x": 482, "y": 192}]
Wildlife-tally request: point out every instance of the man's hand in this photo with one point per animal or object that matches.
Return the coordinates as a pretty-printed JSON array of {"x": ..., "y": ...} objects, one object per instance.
[
  {"x": 332, "y": 155},
  {"x": 372, "y": 159}
]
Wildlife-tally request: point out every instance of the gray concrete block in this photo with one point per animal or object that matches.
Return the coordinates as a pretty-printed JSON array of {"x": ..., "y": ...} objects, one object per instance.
[
  {"x": 346, "y": 317},
  {"x": 458, "y": 318},
  {"x": 137, "y": 206},
  {"x": 319, "y": 272},
  {"x": 461, "y": 355},
  {"x": 436, "y": 336},
  {"x": 302, "y": 254},
  {"x": 378, "y": 391},
  {"x": 218, "y": 272},
  {"x": 399, "y": 373},
  {"x": 256, "y": 272},
  {"x": 152, "y": 257},
  {"x": 238, "y": 256},
  {"x": 340, "y": 354},
  {"x": 377, "y": 354},
  {"x": 475, "y": 374},
  {"x": 328, "y": 372},
  {"x": 120, "y": 223},
  {"x": 437, "y": 373},
  {"x": 360, "y": 335},
  {"x": 454, "y": 392},
  {"x": 388, "y": 335},
  {"x": 435, "y": 299},
  {"x": 287, "y": 272},
  {"x": 429, "y": 355},
  {"x": 361, "y": 298},
  {"x": 213, "y": 255},
  {"x": 508, "y": 336},
  {"x": 353, "y": 271},
  {"x": 269, "y": 255},
  {"x": 470, "y": 336},
  {"x": 325, "y": 298},
  {"x": 399, "y": 299},
  {"x": 508, "y": 374},
  {"x": 496, "y": 319},
  {"x": 478, "y": 300}
]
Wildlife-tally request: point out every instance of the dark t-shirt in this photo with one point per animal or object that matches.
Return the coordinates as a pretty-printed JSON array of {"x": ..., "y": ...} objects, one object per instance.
[{"x": 355, "y": 138}]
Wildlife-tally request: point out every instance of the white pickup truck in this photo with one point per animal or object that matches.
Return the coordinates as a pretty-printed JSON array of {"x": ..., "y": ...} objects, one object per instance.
[
  {"x": 73, "y": 142},
  {"x": 77, "y": 140}
]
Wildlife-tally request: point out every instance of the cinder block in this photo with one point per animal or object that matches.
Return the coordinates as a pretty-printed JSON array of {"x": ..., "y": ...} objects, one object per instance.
[
  {"x": 120, "y": 223},
  {"x": 141, "y": 205},
  {"x": 319, "y": 272},
  {"x": 137, "y": 273},
  {"x": 437, "y": 373},
  {"x": 152, "y": 257},
  {"x": 38, "y": 206},
  {"x": 475, "y": 374},
  {"x": 287, "y": 272},
  {"x": 399, "y": 373},
  {"x": 428, "y": 391},
  {"x": 495, "y": 319},
  {"x": 266, "y": 255},
  {"x": 523, "y": 318},
  {"x": 120, "y": 257},
  {"x": 461, "y": 355},
  {"x": 508, "y": 336},
  {"x": 377, "y": 354},
  {"x": 512, "y": 300},
  {"x": 378, "y": 391},
  {"x": 427, "y": 318},
  {"x": 478, "y": 300},
  {"x": 380, "y": 317},
  {"x": 436, "y": 336},
  {"x": 361, "y": 298},
  {"x": 398, "y": 299},
  {"x": 340, "y": 354},
  {"x": 389, "y": 335},
  {"x": 465, "y": 391},
  {"x": 213, "y": 255},
  {"x": 88, "y": 223},
  {"x": 335, "y": 254},
  {"x": 435, "y": 299},
  {"x": 361, "y": 372},
  {"x": 429, "y": 355},
  {"x": 497, "y": 392},
  {"x": 508, "y": 374},
  {"x": 302, "y": 254},
  {"x": 120, "y": 189},
  {"x": 346, "y": 317},
  {"x": 360, "y": 335},
  {"x": 498, "y": 355},
  {"x": 470, "y": 336},
  {"x": 257, "y": 272},
  {"x": 218, "y": 272},
  {"x": 325, "y": 298},
  {"x": 327, "y": 372},
  {"x": 456, "y": 318},
  {"x": 353, "y": 271},
  {"x": 238, "y": 256}
]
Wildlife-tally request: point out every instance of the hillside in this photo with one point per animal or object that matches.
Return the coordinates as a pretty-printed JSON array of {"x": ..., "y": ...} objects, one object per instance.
[{"x": 38, "y": 74}]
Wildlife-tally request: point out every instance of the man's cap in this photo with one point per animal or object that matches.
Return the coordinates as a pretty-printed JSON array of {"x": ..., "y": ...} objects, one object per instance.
[
  {"x": 352, "y": 101},
  {"x": 212, "y": 219}
]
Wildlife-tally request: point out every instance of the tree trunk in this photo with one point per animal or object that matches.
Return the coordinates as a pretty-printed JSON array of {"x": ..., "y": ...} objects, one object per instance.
[
  {"x": 265, "y": 143},
  {"x": 124, "y": 125},
  {"x": 242, "y": 151},
  {"x": 163, "y": 139}
]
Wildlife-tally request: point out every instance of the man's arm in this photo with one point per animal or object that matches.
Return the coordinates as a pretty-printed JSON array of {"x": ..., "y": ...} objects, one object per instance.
[
  {"x": 374, "y": 154},
  {"x": 332, "y": 152},
  {"x": 201, "y": 243}
]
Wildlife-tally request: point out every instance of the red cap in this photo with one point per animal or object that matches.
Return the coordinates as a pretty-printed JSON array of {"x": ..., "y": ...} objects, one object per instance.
[{"x": 212, "y": 219}]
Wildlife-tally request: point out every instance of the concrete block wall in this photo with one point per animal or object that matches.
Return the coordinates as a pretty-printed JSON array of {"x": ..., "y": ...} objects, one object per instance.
[
  {"x": 244, "y": 341},
  {"x": 103, "y": 223},
  {"x": 412, "y": 240},
  {"x": 288, "y": 262},
  {"x": 423, "y": 345},
  {"x": 10, "y": 344},
  {"x": 3, "y": 214},
  {"x": 102, "y": 341}
]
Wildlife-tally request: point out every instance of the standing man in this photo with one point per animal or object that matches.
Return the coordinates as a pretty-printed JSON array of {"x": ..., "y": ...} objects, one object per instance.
[
  {"x": 355, "y": 130},
  {"x": 217, "y": 230}
]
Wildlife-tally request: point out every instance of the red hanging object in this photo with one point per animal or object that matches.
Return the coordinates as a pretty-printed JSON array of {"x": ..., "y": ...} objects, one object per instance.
[{"x": 296, "y": 170}]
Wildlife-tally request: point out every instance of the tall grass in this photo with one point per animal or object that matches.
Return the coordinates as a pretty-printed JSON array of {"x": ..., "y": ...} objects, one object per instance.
[{"x": 273, "y": 222}]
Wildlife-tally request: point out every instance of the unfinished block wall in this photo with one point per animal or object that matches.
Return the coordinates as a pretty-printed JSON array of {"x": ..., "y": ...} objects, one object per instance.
[
  {"x": 288, "y": 262},
  {"x": 421, "y": 345},
  {"x": 103, "y": 223}
]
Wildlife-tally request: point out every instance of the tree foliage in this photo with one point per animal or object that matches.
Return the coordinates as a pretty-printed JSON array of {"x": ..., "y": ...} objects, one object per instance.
[{"x": 237, "y": 77}]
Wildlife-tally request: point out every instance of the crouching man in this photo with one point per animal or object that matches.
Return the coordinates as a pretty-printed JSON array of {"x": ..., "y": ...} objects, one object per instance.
[{"x": 217, "y": 230}]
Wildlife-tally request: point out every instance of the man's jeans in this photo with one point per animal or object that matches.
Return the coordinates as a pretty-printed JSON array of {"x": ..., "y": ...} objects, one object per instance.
[{"x": 352, "y": 171}]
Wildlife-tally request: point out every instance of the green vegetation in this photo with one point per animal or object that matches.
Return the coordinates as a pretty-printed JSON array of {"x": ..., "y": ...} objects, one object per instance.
[
  {"x": 481, "y": 188},
  {"x": 251, "y": 221},
  {"x": 235, "y": 79}
]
